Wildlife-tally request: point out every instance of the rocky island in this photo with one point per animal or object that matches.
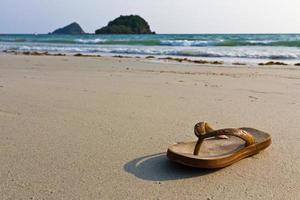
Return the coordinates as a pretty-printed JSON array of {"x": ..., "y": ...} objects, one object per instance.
[
  {"x": 129, "y": 24},
  {"x": 71, "y": 29}
]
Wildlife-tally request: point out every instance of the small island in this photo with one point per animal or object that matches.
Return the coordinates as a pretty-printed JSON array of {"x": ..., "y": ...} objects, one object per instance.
[
  {"x": 129, "y": 24},
  {"x": 72, "y": 29}
]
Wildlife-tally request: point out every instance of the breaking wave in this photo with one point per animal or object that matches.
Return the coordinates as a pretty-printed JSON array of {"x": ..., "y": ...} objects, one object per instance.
[
  {"x": 280, "y": 53},
  {"x": 162, "y": 40}
]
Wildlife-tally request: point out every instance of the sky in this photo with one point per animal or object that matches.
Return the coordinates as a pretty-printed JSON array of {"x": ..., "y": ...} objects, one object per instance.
[{"x": 164, "y": 16}]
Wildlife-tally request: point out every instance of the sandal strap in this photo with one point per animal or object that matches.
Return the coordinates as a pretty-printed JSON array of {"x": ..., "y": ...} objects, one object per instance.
[
  {"x": 240, "y": 133},
  {"x": 202, "y": 128}
]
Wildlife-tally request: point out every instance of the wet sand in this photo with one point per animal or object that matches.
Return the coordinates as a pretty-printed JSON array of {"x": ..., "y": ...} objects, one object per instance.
[{"x": 98, "y": 128}]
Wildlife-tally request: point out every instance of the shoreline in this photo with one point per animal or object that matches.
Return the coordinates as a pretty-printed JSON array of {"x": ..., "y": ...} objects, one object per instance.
[{"x": 177, "y": 59}]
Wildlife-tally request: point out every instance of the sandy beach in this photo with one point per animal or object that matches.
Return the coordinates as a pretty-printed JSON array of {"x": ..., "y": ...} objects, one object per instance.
[{"x": 98, "y": 128}]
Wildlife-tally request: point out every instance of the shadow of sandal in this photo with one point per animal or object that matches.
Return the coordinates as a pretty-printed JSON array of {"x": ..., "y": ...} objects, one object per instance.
[{"x": 157, "y": 167}]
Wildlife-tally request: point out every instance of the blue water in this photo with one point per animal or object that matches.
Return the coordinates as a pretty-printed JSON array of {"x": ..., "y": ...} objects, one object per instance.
[{"x": 221, "y": 46}]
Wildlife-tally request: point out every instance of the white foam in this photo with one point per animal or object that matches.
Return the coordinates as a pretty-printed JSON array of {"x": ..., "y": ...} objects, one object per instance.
[
  {"x": 186, "y": 43},
  {"x": 90, "y": 41}
]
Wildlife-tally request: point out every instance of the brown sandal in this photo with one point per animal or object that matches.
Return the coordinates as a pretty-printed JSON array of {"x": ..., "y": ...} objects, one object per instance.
[{"x": 218, "y": 148}]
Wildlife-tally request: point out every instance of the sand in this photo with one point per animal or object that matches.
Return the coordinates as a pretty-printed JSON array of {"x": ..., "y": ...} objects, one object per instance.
[{"x": 98, "y": 128}]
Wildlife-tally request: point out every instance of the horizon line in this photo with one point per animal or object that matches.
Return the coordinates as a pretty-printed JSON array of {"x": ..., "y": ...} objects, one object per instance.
[{"x": 212, "y": 33}]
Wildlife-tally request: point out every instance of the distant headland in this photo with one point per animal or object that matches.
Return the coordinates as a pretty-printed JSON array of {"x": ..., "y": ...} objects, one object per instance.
[
  {"x": 71, "y": 29},
  {"x": 129, "y": 24}
]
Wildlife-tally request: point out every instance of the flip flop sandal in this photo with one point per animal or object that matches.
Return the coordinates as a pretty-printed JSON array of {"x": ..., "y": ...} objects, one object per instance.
[{"x": 218, "y": 148}]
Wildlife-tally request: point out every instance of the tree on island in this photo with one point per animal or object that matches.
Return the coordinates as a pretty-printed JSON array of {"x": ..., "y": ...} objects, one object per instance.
[{"x": 130, "y": 24}]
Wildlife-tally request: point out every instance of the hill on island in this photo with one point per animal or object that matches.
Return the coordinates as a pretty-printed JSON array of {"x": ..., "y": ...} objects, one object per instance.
[
  {"x": 71, "y": 29},
  {"x": 129, "y": 24}
]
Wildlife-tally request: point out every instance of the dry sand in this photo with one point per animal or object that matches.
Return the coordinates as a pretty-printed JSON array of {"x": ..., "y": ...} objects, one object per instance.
[{"x": 98, "y": 128}]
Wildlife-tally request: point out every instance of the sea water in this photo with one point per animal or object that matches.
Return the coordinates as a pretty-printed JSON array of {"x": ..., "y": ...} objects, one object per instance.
[{"x": 234, "y": 47}]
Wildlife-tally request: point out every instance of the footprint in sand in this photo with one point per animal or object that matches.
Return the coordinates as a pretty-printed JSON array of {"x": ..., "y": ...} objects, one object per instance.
[
  {"x": 253, "y": 98},
  {"x": 212, "y": 85},
  {"x": 215, "y": 86}
]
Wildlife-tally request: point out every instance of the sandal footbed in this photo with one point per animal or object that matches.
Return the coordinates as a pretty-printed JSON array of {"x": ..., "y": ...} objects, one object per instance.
[{"x": 218, "y": 153}]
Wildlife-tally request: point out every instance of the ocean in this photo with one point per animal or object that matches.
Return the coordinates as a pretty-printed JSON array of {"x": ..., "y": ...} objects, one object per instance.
[{"x": 232, "y": 47}]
